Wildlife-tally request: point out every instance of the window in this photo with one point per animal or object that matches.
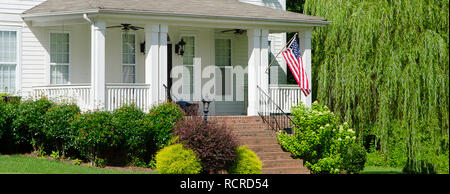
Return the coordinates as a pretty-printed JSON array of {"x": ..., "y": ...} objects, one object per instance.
[
  {"x": 188, "y": 62},
  {"x": 128, "y": 58},
  {"x": 223, "y": 63},
  {"x": 59, "y": 58},
  {"x": 8, "y": 61}
]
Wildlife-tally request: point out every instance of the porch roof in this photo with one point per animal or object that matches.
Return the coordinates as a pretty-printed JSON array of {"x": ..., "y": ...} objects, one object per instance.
[{"x": 220, "y": 9}]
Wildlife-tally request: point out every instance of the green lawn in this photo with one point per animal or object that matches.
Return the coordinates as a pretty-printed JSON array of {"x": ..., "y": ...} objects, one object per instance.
[
  {"x": 381, "y": 170},
  {"x": 16, "y": 164}
]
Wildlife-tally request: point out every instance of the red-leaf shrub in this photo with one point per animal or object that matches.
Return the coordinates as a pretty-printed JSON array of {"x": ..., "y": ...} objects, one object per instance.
[{"x": 212, "y": 142}]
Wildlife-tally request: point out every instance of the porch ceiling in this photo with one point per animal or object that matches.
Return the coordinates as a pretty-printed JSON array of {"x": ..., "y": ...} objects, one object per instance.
[{"x": 195, "y": 9}]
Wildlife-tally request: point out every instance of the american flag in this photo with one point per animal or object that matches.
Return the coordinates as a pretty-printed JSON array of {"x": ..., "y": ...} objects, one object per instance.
[{"x": 294, "y": 60}]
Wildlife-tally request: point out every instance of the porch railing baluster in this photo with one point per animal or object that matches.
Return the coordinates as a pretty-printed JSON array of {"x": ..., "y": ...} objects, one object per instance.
[{"x": 271, "y": 113}]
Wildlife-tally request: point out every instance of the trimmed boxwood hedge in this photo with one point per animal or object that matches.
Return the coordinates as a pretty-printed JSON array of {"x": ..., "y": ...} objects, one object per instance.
[{"x": 97, "y": 136}]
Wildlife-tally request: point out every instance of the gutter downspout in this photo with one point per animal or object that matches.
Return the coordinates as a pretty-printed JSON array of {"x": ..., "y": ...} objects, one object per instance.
[{"x": 85, "y": 17}]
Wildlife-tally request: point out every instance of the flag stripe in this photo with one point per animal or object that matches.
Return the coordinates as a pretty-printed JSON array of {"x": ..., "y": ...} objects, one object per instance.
[
  {"x": 285, "y": 53},
  {"x": 295, "y": 62}
]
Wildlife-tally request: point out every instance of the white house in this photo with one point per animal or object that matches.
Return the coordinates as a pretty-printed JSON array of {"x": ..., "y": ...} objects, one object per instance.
[{"x": 105, "y": 53}]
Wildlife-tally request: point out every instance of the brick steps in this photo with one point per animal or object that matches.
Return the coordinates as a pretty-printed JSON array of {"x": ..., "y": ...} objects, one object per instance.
[
  {"x": 285, "y": 170},
  {"x": 253, "y": 132}
]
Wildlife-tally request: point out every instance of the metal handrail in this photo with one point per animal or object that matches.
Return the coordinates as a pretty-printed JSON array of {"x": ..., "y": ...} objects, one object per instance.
[{"x": 272, "y": 114}]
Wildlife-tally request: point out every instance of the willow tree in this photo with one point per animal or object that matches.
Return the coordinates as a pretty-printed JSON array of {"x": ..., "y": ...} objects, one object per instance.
[{"x": 384, "y": 65}]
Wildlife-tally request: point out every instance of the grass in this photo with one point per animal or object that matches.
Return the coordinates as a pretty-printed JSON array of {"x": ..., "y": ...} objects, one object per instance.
[
  {"x": 381, "y": 170},
  {"x": 16, "y": 164}
]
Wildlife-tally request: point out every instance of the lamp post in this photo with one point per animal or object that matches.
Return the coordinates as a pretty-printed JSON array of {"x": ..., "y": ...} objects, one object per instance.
[{"x": 206, "y": 102}]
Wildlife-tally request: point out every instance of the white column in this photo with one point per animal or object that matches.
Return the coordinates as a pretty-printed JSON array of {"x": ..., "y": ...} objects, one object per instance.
[
  {"x": 254, "y": 58},
  {"x": 152, "y": 61},
  {"x": 305, "y": 49},
  {"x": 163, "y": 29},
  {"x": 264, "y": 63},
  {"x": 98, "y": 76},
  {"x": 197, "y": 97}
]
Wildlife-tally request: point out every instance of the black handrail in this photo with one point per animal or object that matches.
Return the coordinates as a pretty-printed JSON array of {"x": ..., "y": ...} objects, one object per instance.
[
  {"x": 168, "y": 94},
  {"x": 272, "y": 114}
]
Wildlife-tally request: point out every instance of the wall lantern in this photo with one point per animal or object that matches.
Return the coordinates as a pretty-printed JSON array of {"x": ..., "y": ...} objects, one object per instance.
[
  {"x": 142, "y": 47},
  {"x": 179, "y": 47}
]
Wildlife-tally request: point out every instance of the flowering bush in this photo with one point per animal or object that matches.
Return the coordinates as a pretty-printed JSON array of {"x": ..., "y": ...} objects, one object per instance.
[{"x": 322, "y": 142}]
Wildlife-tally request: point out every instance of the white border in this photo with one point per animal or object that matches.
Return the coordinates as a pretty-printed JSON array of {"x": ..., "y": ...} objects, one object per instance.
[
  {"x": 135, "y": 54},
  {"x": 187, "y": 97},
  {"x": 18, "y": 31},
  {"x": 48, "y": 66}
]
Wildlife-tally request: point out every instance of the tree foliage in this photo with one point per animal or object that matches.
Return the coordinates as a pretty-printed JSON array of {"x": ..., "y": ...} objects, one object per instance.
[{"x": 384, "y": 65}]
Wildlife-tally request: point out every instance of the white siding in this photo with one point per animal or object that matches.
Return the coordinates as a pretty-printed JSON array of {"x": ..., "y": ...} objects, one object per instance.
[
  {"x": 32, "y": 54},
  {"x": 277, "y": 4},
  {"x": 278, "y": 41}
]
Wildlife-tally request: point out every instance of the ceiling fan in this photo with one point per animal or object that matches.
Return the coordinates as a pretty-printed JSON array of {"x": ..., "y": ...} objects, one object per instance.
[
  {"x": 126, "y": 27},
  {"x": 236, "y": 31}
]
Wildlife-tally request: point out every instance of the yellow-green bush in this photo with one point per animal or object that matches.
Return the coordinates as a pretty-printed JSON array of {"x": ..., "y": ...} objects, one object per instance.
[
  {"x": 175, "y": 159},
  {"x": 247, "y": 162}
]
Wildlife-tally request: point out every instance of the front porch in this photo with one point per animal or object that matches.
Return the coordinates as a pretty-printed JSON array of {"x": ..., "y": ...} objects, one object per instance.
[
  {"x": 117, "y": 95},
  {"x": 98, "y": 67},
  {"x": 120, "y": 94}
]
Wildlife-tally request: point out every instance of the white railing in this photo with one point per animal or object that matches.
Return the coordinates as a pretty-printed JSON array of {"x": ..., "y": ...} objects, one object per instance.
[
  {"x": 120, "y": 94},
  {"x": 285, "y": 96},
  {"x": 79, "y": 94}
]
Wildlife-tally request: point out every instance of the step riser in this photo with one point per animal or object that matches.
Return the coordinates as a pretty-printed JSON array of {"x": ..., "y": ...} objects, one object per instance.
[
  {"x": 262, "y": 150},
  {"x": 252, "y": 134},
  {"x": 282, "y": 164},
  {"x": 274, "y": 156},
  {"x": 285, "y": 171},
  {"x": 255, "y": 141}
]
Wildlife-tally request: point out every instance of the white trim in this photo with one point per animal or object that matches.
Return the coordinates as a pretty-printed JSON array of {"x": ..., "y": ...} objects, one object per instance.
[
  {"x": 177, "y": 16},
  {"x": 135, "y": 55},
  {"x": 226, "y": 97},
  {"x": 189, "y": 97},
  {"x": 18, "y": 70},
  {"x": 49, "y": 63}
]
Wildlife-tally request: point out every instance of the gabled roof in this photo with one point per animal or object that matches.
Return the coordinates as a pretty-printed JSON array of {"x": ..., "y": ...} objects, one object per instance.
[{"x": 231, "y": 9}]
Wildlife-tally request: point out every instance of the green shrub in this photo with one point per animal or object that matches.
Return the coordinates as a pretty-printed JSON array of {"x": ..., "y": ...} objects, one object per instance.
[
  {"x": 354, "y": 158},
  {"x": 376, "y": 159},
  {"x": 320, "y": 141},
  {"x": 2, "y": 95},
  {"x": 175, "y": 159},
  {"x": 135, "y": 131},
  {"x": 94, "y": 134},
  {"x": 57, "y": 126},
  {"x": 29, "y": 124},
  {"x": 247, "y": 162},
  {"x": 8, "y": 113},
  {"x": 164, "y": 117}
]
